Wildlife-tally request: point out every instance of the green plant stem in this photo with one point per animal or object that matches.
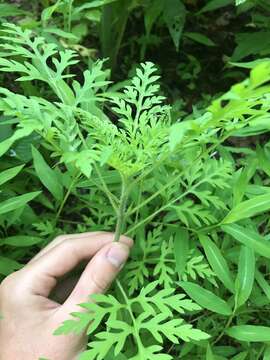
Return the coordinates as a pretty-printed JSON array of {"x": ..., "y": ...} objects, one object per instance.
[
  {"x": 109, "y": 194},
  {"x": 225, "y": 328},
  {"x": 70, "y": 8},
  {"x": 150, "y": 198},
  {"x": 121, "y": 211},
  {"x": 138, "y": 112},
  {"x": 139, "y": 200},
  {"x": 175, "y": 179},
  {"x": 111, "y": 197},
  {"x": 136, "y": 333},
  {"x": 66, "y": 197},
  {"x": 65, "y": 221},
  {"x": 164, "y": 207}
]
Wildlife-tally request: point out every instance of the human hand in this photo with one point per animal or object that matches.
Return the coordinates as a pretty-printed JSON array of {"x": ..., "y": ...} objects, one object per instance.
[{"x": 29, "y": 317}]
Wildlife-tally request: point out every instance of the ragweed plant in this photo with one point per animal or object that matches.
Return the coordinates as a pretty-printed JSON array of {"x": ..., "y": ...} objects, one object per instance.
[{"x": 118, "y": 161}]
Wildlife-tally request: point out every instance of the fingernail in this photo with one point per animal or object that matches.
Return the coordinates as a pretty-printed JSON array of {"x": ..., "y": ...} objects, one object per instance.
[{"x": 118, "y": 254}]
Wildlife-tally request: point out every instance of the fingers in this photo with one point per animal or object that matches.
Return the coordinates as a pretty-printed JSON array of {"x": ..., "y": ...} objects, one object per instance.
[
  {"x": 63, "y": 257},
  {"x": 98, "y": 275},
  {"x": 61, "y": 238}
]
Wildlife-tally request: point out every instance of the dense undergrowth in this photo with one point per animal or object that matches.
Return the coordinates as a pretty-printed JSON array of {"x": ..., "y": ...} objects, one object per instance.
[{"x": 148, "y": 118}]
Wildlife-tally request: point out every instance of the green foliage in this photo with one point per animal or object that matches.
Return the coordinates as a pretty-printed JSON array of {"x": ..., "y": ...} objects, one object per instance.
[
  {"x": 188, "y": 181},
  {"x": 149, "y": 312}
]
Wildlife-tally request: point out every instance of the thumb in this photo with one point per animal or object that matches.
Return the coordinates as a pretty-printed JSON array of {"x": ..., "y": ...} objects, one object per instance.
[{"x": 98, "y": 274}]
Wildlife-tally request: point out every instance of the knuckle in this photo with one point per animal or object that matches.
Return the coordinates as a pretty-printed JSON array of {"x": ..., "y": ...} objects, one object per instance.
[
  {"x": 8, "y": 284},
  {"x": 13, "y": 289}
]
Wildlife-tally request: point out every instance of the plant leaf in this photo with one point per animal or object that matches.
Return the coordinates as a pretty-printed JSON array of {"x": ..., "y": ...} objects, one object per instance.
[
  {"x": 21, "y": 241},
  {"x": 9, "y": 174},
  {"x": 249, "y": 238},
  {"x": 245, "y": 277},
  {"x": 7, "y": 266},
  {"x": 209, "y": 353},
  {"x": 47, "y": 176},
  {"x": 215, "y": 4},
  {"x": 181, "y": 250},
  {"x": 200, "y": 38},
  {"x": 250, "y": 333},
  {"x": 206, "y": 298},
  {"x": 17, "y": 202},
  {"x": 266, "y": 354},
  {"x": 177, "y": 133},
  {"x": 248, "y": 208},
  {"x": 241, "y": 356},
  {"x": 10, "y": 10},
  {"x": 264, "y": 285},
  {"x": 239, "y": 2},
  {"x": 6, "y": 144},
  {"x": 175, "y": 16},
  {"x": 217, "y": 262}
]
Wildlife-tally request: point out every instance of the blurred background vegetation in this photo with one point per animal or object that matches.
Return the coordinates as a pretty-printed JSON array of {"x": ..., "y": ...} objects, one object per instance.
[{"x": 198, "y": 45}]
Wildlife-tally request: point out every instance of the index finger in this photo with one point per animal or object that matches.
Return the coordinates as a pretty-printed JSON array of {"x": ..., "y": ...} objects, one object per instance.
[
  {"x": 61, "y": 238},
  {"x": 60, "y": 259}
]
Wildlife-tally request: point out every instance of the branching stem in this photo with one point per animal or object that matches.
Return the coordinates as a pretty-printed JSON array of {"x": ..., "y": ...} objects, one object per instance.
[{"x": 175, "y": 179}]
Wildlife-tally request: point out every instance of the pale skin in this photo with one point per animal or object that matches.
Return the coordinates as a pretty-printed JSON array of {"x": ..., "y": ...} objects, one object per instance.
[{"x": 29, "y": 317}]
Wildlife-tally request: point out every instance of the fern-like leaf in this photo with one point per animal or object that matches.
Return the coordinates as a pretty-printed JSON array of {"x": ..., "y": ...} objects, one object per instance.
[{"x": 150, "y": 312}]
